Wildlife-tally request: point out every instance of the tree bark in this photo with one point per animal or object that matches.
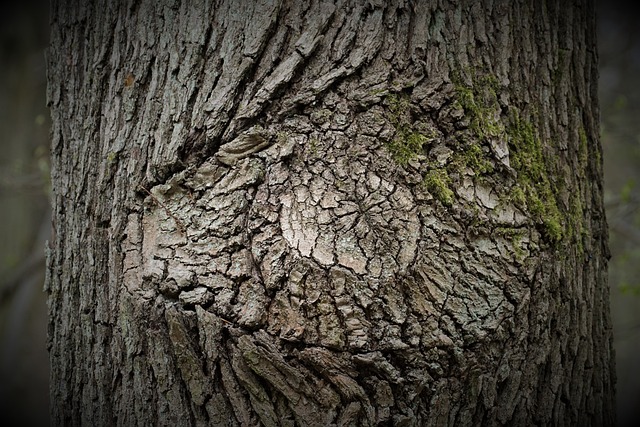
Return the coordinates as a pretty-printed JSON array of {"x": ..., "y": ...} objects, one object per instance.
[{"x": 327, "y": 213}]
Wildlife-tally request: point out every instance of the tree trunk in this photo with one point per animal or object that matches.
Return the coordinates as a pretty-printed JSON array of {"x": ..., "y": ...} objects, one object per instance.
[{"x": 317, "y": 213}]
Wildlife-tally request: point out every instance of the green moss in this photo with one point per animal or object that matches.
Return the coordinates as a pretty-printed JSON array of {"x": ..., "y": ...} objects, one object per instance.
[
  {"x": 474, "y": 158},
  {"x": 398, "y": 107},
  {"x": 553, "y": 226},
  {"x": 482, "y": 110},
  {"x": 437, "y": 181},
  {"x": 576, "y": 224},
  {"x": 518, "y": 197},
  {"x": 480, "y": 104},
  {"x": 377, "y": 92},
  {"x": 515, "y": 235},
  {"x": 313, "y": 146},
  {"x": 406, "y": 146},
  {"x": 534, "y": 191},
  {"x": 533, "y": 184},
  {"x": 408, "y": 141}
]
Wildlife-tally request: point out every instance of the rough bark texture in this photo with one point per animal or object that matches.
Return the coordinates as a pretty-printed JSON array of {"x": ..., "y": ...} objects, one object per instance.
[{"x": 318, "y": 213}]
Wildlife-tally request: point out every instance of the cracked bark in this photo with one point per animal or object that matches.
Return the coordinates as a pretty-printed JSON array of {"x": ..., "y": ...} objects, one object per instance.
[{"x": 327, "y": 213}]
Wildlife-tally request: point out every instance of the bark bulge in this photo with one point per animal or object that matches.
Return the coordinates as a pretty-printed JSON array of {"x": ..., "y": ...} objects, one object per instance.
[{"x": 325, "y": 214}]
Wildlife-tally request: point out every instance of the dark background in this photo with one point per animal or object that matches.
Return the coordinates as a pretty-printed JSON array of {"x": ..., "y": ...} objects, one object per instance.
[
  {"x": 619, "y": 93},
  {"x": 25, "y": 219}
]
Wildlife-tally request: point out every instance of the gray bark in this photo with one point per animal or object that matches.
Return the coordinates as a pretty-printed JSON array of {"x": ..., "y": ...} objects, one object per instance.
[{"x": 349, "y": 213}]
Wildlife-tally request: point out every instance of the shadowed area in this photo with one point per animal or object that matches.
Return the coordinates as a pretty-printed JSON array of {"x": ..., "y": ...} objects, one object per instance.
[{"x": 24, "y": 214}]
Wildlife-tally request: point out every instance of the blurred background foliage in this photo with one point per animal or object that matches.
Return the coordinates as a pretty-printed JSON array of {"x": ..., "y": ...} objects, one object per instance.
[
  {"x": 619, "y": 93},
  {"x": 25, "y": 217},
  {"x": 24, "y": 213}
]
